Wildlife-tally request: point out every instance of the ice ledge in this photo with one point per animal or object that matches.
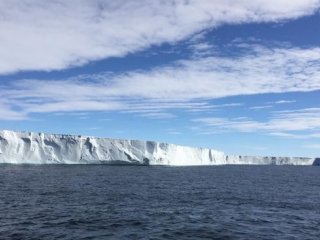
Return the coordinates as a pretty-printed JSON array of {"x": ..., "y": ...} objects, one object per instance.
[{"x": 42, "y": 148}]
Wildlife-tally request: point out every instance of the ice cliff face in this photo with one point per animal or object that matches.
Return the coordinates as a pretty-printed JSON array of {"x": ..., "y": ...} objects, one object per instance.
[{"x": 40, "y": 148}]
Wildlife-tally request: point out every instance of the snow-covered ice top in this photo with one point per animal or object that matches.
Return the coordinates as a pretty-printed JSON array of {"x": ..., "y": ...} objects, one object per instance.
[{"x": 41, "y": 148}]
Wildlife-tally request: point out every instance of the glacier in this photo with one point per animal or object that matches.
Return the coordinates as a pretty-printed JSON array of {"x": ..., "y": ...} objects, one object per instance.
[{"x": 42, "y": 148}]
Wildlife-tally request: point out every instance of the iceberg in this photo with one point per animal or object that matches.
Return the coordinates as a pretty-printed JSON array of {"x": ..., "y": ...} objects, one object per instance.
[{"x": 42, "y": 148}]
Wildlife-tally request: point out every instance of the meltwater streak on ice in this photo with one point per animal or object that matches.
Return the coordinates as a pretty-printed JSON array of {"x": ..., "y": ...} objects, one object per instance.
[{"x": 41, "y": 148}]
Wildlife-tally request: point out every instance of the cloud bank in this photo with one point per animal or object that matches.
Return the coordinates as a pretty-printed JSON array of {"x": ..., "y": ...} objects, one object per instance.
[
  {"x": 57, "y": 34},
  {"x": 187, "y": 85}
]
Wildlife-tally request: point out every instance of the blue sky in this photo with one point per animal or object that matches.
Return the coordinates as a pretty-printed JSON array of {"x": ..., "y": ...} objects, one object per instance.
[{"x": 242, "y": 77}]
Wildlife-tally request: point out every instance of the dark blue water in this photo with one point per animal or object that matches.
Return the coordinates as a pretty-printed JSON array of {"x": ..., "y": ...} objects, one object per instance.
[{"x": 131, "y": 202}]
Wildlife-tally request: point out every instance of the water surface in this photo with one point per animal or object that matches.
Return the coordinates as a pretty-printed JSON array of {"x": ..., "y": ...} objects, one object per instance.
[{"x": 146, "y": 202}]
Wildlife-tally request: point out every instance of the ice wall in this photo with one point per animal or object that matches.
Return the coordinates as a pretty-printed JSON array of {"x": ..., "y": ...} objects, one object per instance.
[{"x": 40, "y": 148}]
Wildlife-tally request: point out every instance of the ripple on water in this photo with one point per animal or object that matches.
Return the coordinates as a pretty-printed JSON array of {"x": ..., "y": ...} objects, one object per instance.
[{"x": 126, "y": 202}]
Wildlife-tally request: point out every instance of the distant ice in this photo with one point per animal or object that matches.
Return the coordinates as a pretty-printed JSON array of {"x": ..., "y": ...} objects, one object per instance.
[{"x": 41, "y": 148}]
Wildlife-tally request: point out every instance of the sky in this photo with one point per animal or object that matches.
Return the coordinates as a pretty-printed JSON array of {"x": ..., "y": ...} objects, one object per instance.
[{"x": 241, "y": 76}]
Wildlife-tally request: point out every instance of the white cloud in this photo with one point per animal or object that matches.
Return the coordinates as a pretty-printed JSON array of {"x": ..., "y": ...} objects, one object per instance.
[
  {"x": 260, "y": 107},
  {"x": 57, "y": 34},
  {"x": 9, "y": 114},
  {"x": 93, "y": 128},
  {"x": 284, "y": 101},
  {"x": 263, "y": 71},
  {"x": 296, "y": 136},
  {"x": 157, "y": 115},
  {"x": 281, "y": 123},
  {"x": 188, "y": 84},
  {"x": 173, "y": 132},
  {"x": 70, "y": 105},
  {"x": 313, "y": 146}
]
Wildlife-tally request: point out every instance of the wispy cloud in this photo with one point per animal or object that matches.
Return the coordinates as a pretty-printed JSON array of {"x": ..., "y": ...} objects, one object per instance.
[
  {"x": 260, "y": 107},
  {"x": 188, "y": 85},
  {"x": 173, "y": 132},
  {"x": 292, "y": 124},
  {"x": 93, "y": 128},
  {"x": 284, "y": 101},
  {"x": 7, "y": 113},
  {"x": 313, "y": 146},
  {"x": 157, "y": 115},
  {"x": 296, "y": 136},
  {"x": 50, "y": 35}
]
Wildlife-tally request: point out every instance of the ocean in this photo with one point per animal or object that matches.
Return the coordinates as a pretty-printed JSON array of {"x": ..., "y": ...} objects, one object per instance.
[{"x": 157, "y": 202}]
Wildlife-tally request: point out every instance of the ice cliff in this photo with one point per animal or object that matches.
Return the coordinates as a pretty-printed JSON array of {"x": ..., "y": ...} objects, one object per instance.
[{"x": 41, "y": 148}]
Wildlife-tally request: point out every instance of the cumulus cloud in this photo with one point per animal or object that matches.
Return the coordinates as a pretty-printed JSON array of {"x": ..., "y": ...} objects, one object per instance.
[{"x": 57, "y": 34}]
